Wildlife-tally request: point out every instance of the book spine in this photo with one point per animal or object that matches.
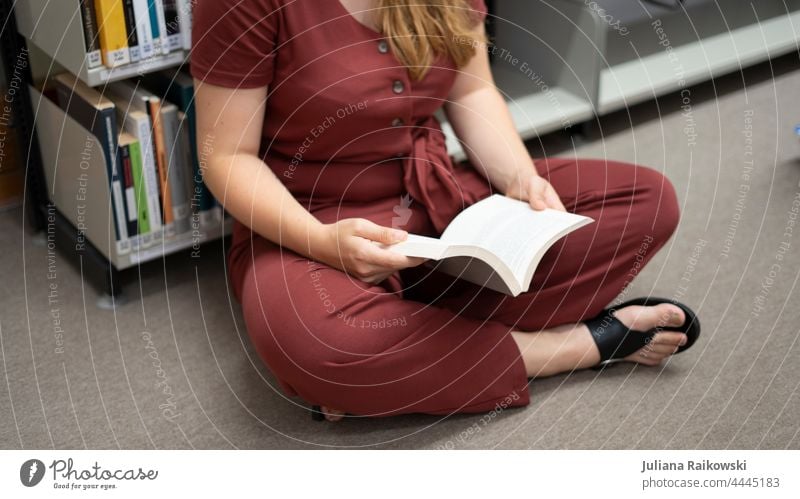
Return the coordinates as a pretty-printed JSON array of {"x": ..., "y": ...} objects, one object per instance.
[
  {"x": 205, "y": 200},
  {"x": 177, "y": 171},
  {"x": 115, "y": 179},
  {"x": 130, "y": 29},
  {"x": 93, "y": 57},
  {"x": 155, "y": 26},
  {"x": 102, "y": 124},
  {"x": 162, "y": 164},
  {"x": 150, "y": 174},
  {"x": 172, "y": 22},
  {"x": 139, "y": 190},
  {"x": 113, "y": 37},
  {"x": 162, "y": 26},
  {"x": 182, "y": 94},
  {"x": 131, "y": 211},
  {"x": 144, "y": 31},
  {"x": 185, "y": 17}
]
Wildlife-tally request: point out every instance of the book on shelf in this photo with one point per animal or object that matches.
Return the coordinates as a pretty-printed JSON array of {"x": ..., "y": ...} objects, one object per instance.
[
  {"x": 121, "y": 32},
  {"x": 185, "y": 18},
  {"x": 97, "y": 114},
  {"x": 141, "y": 100},
  {"x": 91, "y": 37},
  {"x": 173, "y": 25},
  {"x": 137, "y": 195},
  {"x": 131, "y": 210},
  {"x": 144, "y": 31},
  {"x": 158, "y": 19},
  {"x": 113, "y": 35},
  {"x": 131, "y": 31},
  {"x": 178, "y": 87},
  {"x": 178, "y": 168},
  {"x": 496, "y": 243},
  {"x": 137, "y": 124}
]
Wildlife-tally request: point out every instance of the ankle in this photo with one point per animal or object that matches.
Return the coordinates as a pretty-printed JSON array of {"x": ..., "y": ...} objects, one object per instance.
[
  {"x": 561, "y": 349},
  {"x": 583, "y": 352}
]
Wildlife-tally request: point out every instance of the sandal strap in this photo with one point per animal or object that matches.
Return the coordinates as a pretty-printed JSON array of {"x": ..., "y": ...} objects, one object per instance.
[{"x": 613, "y": 338}]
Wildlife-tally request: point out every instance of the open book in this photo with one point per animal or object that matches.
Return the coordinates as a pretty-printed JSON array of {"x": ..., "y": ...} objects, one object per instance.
[{"x": 496, "y": 243}]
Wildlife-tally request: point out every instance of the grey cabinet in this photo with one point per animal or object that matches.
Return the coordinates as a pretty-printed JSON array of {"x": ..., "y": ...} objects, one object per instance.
[{"x": 560, "y": 62}]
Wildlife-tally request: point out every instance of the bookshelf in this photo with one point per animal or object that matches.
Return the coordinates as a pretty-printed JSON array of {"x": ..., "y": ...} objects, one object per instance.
[
  {"x": 68, "y": 188},
  {"x": 88, "y": 206},
  {"x": 36, "y": 21}
]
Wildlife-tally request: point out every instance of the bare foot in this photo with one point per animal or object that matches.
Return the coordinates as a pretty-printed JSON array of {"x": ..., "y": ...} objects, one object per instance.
[
  {"x": 664, "y": 343},
  {"x": 571, "y": 346},
  {"x": 332, "y": 414}
]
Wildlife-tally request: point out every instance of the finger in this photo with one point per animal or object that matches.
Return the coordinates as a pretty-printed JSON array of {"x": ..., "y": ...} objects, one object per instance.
[
  {"x": 536, "y": 195},
  {"x": 379, "y": 233},
  {"x": 387, "y": 259},
  {"x": 377, "y": 278},
  {"x": 553, "y": 201}
]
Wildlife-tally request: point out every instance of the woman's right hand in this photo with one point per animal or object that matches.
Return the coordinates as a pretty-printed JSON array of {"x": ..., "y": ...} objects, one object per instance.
[{"x": 353, "y": 245}]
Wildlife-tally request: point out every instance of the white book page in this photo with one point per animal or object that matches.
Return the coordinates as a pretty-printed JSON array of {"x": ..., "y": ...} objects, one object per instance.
[
  {"x": 510, "y": 229},
  {"x": 421, "y": 246},
  {"x": 496, "y": 243}
]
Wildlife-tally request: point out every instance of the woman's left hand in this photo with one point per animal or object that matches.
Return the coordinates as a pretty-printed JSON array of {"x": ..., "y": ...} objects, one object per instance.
[{"x": 536, "y": 190}]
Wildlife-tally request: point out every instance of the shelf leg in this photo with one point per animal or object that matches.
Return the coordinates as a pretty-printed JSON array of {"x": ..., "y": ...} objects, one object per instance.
[
  {"x": 95, "y": 268},
  {"x": 111, "y": 295},
  {"x": 583, "y": 132}
]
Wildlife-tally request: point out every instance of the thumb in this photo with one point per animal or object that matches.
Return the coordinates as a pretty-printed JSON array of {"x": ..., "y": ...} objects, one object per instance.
[
  {"x": 379, "y": 233},
  {"x": 536, "y": 197},
  {"x": 537, "y": 201}
]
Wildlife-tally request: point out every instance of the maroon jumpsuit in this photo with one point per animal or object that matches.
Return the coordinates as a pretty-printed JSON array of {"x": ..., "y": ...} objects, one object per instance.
[{"x": 351, "y": 135}]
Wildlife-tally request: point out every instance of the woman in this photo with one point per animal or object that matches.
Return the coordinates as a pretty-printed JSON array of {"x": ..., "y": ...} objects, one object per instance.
[{"x": 315, "y": 119}]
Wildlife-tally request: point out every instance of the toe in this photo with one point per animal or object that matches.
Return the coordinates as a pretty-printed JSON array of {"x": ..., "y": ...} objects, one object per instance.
[
  {"x": 669, "y": 338},
  {"x": 662, "y": 350},
  {"x": 669, "y": 315},
  {"x": 332, "y": 414},
  {"x": 663, "y": 343},
  {"x": 648, "y": 358},
  {"x": 645, "y": 318}
]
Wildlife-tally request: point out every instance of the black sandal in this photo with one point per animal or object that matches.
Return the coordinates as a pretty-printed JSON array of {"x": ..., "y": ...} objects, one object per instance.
[
  {"x": 317, "y": 414},
  {"x": 614, "y": 341}
]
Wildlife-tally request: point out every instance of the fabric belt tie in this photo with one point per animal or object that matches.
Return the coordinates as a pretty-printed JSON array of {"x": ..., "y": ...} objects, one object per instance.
[{"x": 429, "y": 176}]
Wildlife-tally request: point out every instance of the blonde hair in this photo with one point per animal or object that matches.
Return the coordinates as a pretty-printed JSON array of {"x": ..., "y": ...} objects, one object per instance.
[{"x": 418, "y": 31}]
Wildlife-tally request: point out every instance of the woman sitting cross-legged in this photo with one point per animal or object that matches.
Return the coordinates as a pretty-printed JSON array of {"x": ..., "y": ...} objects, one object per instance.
[{"x": 315, "y": 119}]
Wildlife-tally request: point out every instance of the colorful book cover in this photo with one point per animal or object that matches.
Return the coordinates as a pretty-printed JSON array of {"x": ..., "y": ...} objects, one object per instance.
[
  {"x": 131, "y": 211},
  {"x": 113, "y": 35},
  {"x": 173, "y": 24},
  {"x": 139, "y": 187},
  {"x": 97, "y": 114},
  {"x": 93, "y": 57},
  {"x": 153, "y": 7},
  {"x": 144, "y": 32},
  {"x": 162, "y": 161},
  {"x": 130, "y": 29},
  {"x": 178, "y": 87}
]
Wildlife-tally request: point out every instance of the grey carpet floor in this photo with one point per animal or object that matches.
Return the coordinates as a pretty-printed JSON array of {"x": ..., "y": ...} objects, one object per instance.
[{"x": 731, "y": 259}]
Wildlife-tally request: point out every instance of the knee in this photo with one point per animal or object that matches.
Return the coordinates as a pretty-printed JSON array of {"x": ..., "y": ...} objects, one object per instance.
[{"x": 656, "y": 204}]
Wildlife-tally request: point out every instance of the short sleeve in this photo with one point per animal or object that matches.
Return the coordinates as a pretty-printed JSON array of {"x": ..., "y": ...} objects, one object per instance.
[{"x": 234, "y": 42}]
